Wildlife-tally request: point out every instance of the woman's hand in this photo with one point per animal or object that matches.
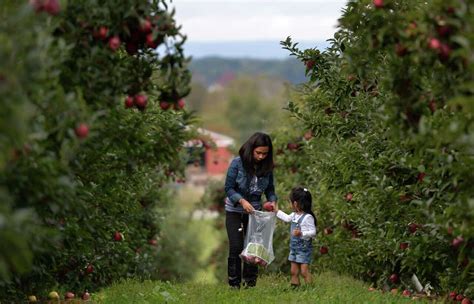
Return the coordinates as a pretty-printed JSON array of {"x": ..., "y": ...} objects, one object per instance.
[
  {"x": 247, "y": 206},
  {"x": 275, "y": 206}
]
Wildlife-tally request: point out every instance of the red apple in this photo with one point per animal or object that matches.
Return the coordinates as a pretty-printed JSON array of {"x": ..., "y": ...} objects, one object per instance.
[
  {"x": 69, "y": 295},
  {"x": 432, "y": 105},
  {"x": 82, "y": 130},
  {"x": 323, "y": 250},
  {"x": 444, "y": 30},
  {"x": 378, "y": 3},
  {"x": 118, "y": 236},
  {"x": 393, "y": 278},
  {"x": 292, "y": 146},
  {"x": 466, "y": 301},
  {"x": 102, "y": 32},
  {"x": 114, "y": 43},
  {"x": 421, "y": 176},
  {"x": 153, "y": 242},
  {"x": 434, "y": 44},
  {"x": 444, "y": 51},
  {"x": 457, "y": 242},
  {"x": 51, "y": 7},
  {"x": 327, "y": 231},
  {"x": 268, "y": 206},
  {"x": 129, "y": 102},
  {"x": 89, "y": 269},
  {"x": 181, "y": 103},
  {"x": 459, "y": 297},
  {"x": 404, "y": 245},
  {"x": 145, "y": 26},
  {"x": 86, "y": 296},
  {"x": 309, "y": 64},
  {"x": 164, "y": 105},
  {"x": 151, "y": 42},
  {"x": 371, "y": 289},
  {"x": 413, "y": 227},
  {"x": 400, "y": 50},
  {"x": 348, "y": 197},
  {"x": 452, "y": 295},
  {"x": 141, "y": 101},
  {"x": 406, "y": 293}
]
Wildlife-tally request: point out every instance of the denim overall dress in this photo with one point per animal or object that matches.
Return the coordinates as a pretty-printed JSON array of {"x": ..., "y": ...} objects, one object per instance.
[{"x": 301, "y": 250}]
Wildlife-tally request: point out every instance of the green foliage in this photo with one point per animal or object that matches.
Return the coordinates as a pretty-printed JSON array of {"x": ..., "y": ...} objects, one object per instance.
[
  {"x": 389, "y": 160},
  {"x": 81, "y": 206},
  {"x": 258, "y": 99}
]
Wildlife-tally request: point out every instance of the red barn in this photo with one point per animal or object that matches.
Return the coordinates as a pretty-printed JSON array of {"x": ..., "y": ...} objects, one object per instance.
[{"x": 216, "y": 158}]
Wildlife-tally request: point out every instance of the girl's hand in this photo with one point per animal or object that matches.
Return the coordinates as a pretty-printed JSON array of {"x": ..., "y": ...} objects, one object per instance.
[
  {"x": 297, "y": 232},
  {"x": 247, "y": 206}
]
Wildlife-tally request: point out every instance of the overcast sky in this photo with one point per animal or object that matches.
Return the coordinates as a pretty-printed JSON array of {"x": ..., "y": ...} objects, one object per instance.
[{"x": 251, "y": 20}]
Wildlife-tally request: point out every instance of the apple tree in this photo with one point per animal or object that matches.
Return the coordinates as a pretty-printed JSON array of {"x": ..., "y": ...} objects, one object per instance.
[
  {"x": 92, "y": 129},
  {"x": 385, "y": 143}
]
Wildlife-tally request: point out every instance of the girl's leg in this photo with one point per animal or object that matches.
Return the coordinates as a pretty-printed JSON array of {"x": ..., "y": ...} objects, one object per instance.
[
  {"x": 305, "y": 273},
  {"x": 295, "y": 273},
  {"x": 233, "y": 223}
]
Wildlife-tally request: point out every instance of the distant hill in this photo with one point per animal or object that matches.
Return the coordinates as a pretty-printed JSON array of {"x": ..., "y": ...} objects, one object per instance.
[
  {"x": 266, "y": 49},
  {"x": 210, "y": 70}
]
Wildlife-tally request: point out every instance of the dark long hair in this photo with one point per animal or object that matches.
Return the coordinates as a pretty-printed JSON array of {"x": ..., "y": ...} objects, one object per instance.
[
  {"x": 263, "y": 167},
  {"x": 304, "y": 199}
]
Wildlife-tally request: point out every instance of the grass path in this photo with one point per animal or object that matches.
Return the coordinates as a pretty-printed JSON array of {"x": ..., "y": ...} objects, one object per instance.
[
  {"x": 271, "y": 288},
  {"x": 327, "y": 288}
]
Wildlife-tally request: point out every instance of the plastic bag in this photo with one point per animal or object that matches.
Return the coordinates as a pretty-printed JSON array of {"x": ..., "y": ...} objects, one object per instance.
[{"x": 258, "y": 245}]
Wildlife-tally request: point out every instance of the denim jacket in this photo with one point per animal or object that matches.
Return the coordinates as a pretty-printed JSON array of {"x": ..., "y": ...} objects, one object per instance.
[{"x": 237, "y": 186}]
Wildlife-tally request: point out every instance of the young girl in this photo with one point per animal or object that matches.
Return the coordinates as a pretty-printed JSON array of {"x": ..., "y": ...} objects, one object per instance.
[
  {"x": 249, "y": 176},
  {"x": 302, "y": 230}
]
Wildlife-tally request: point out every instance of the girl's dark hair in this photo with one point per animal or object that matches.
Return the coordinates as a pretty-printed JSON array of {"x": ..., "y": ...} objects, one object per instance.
[
  {"x": 304, "y": 199},
  {"x": 258, "y": 139}
]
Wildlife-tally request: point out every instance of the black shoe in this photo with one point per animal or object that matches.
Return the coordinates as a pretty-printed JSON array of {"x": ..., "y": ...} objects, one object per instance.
[
  {"x": 250, "y": 284},
  {"x": 234, "y": 287}
]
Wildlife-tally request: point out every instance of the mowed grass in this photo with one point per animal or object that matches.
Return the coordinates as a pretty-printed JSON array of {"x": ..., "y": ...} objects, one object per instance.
[{"x": 326, "y": 288}]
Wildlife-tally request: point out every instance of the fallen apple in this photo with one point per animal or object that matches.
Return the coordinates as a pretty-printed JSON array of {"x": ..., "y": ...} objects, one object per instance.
[
  {"x": 32, "y": 299},
  {"x": 86, "y": 296},
  {"x": 327, "y": 231},
  {"x": 404, "y": 245},
  {"x": 457, "y": 242},
  {"x": 118, "y": 236},
  {"x": 82, "y": 130},
  {"x": 53, "y": 295},
  {"x": 89, "y": 269},
  {"x": 69, "y": 295},
  {"x": 466, "y": 301}
]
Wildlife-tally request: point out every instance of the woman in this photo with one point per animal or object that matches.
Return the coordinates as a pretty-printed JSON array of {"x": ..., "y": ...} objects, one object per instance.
[{"x": 248, "y": 177}]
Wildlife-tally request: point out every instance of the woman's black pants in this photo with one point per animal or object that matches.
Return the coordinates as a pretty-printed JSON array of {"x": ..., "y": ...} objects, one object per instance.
[{"x": 236, "y": 225}]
